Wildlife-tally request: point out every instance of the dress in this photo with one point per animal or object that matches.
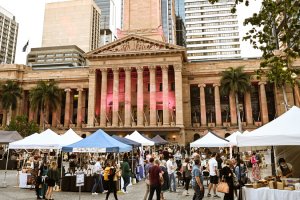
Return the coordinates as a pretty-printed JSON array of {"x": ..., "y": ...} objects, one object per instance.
[
  {"x": 166, "y": 184},
  {"x": 255, "y": 168}
]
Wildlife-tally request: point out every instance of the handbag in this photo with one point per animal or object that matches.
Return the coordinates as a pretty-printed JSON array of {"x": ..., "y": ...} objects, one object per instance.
[{"x": 223, "y": 187}]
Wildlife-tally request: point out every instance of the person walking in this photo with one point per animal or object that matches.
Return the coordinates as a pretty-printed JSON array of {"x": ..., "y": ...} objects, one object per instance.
[
  {"x": 111, "y": 179},
  {"x": 213, "y": 173},
  {"x": 197, "y": 180},
  {"x": 255, "y": 167},
  {"x": 166, "y": 185},
  {"x": 125, "y": 173},
  {"x": 171, "y": 167},
  {"x": 147, "y": 167},
  {"x": 97, "y": 177},
  {"x": 155, "y": 176},
  {"x": 227, "y": 175},
  {"x": 187, "y": 174},
  {"x": 53, "y": 177}
]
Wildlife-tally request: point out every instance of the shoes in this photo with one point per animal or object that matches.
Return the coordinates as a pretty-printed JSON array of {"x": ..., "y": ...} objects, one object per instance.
[
  {"x": 94, "y": 193},
  {"x": 216, "y": 196},
  {"x": 105, "y": 191},
  {"x": 208, "y": 195},
  {"x": 123, "y": 190}
]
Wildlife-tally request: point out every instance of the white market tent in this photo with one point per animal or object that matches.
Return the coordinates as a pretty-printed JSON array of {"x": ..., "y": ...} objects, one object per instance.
[
  {"x": 25, "y": 143},
  {"x": 210, "y": 140},
  {"x": 232, "y": 138},
  {"x": 284, "y": 130},
  {"x": 49, "y": 140},
  {"x": 69, "y": 137},
  {"x": 137, "y": 137}
]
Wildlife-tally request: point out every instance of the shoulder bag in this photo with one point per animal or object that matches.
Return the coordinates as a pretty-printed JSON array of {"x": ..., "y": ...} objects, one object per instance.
[{"x": 223, "y": 187}]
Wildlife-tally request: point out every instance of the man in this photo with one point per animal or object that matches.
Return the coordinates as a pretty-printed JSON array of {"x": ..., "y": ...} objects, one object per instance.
[
  {"x": 125, "y": 173},
  {"x": 97, "y": 170},
  {"x": 155, "y": 174},
  {"x": 197, "y": 180},
  {"x": 171, "y": 167},
  {"x": 147, "y": 168},
  {"x": 213, "y": 173}
]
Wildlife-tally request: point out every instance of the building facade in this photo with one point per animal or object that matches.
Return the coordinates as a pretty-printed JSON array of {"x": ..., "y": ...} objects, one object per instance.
[
  {"x": 74, "y": 22},
  {"x": 136, "y": 83},
  {"x": 8, "y": 36},
  {"x": 169, "y": 20}
]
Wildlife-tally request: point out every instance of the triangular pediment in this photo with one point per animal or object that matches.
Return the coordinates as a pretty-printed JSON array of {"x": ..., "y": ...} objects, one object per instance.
[{"x": 133, "y": 44}]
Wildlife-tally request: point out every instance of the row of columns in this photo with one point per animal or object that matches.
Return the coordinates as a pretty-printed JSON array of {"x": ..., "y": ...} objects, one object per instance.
[
  {"x": 140, "y": 96},
  {"x": 232, "y": 103}
]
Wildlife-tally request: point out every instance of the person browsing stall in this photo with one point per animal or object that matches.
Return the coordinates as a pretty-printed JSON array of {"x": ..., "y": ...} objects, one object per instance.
[{"x": 284, "y": 169}]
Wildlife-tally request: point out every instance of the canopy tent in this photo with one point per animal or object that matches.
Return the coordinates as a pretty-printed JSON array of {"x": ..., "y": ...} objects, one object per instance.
[
  {"x": 210, "y": 140},
  {"x": 9, "y": 136},
  {"x": 69, "y": 137},
  {"x": 137, "y": 137},
  {"x": 26, "y": 143},
  {"x": 127, "y": 141},
  {"x": 98, "y": 142},
  {"x": 284, "y": 130},
  {"x": 232, "y": 138},
  {"x": 48, "y": 139},
  {"x": 246, "y": 132},
  {"x": 159, "y": 140}
]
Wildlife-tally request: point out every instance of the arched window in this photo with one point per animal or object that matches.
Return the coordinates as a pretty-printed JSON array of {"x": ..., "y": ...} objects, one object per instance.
[{"x": 196, "y": 136}]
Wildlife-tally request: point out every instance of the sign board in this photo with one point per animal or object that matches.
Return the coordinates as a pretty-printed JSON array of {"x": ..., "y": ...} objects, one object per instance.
[{"x": 79, "y": 179}]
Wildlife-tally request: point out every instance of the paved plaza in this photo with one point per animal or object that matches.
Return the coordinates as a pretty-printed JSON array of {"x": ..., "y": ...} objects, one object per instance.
[{"x": 135, "y": 192}]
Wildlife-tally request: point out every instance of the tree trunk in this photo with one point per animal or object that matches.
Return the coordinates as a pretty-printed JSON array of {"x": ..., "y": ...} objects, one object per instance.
[
  {"x": 4, "y": 118},
  {"x": 238, "y": 112},
  {"x": 285, "y": 98},
  {"x": 9, "y": 116}
]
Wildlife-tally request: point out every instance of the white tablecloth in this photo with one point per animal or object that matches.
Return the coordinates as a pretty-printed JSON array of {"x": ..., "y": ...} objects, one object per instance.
[
  {"x": 266, "y": 193},
  {"x": 23, "y": 180}
]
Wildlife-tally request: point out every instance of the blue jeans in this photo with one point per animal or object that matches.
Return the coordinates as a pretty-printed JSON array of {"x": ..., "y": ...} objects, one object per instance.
[
  {"x": 98, "y": 181},
  {"x": 172, "y": 182}
]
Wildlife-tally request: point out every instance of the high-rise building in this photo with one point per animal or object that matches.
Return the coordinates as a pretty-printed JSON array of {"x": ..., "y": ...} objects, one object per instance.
[
  {"x": 8, "y": 36},
  {"x": 109, "y": 20},
  {"x": 179, "y": 9},
  {"x": 169, "y": 20},
  {"x": 75, "y": 22},
  {"x": 180, "y": 23},
  {"x": 214, "y": 32}
]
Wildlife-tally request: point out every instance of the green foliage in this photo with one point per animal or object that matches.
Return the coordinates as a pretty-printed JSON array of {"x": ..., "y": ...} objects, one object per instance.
[
  {"x": 45, "y": 94},
  {"x": 21, "y": 124},
  {"x": 10, "y": 92},
  {"x": 235, "y": 80}
]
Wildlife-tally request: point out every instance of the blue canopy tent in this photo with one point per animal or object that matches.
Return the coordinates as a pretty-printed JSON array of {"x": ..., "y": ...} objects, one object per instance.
[
  {"x": 127, "y": 141},
  {"x": 98, "y": 142}
]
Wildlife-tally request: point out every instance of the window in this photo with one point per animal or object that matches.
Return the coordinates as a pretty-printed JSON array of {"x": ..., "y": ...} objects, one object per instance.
[{"x": 160, "y": 87}]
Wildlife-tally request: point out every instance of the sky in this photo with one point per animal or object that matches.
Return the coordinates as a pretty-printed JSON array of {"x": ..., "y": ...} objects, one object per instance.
[{"x": 30, "y": 16}]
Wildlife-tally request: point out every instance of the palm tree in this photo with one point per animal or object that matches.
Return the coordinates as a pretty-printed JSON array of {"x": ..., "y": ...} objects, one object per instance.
[
  {"x": 237, "y": 82},
  {"x": 10, "y": 92},
  {"x": 45, "y": 95}
]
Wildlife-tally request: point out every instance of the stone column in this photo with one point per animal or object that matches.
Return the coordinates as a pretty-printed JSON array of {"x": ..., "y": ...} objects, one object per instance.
[
  {"x": 71, "y": 107},
  {"x": 153, "y": 121},
  {"x": 79, "y": 107},
  {"x": 103, "y": 97},
  {"x": 178, "y": 94},
  {"x": 127, "y": 97},
  {"x": 263, "y": 103},
  {"x": 140, "y": 97},
  {"x": 248, "y": 109},
  {"x": 92, "y": 97},
  {"x": 67, "y": 108},
  {"x": 297, "y": 95},
  {"x": 217, "y": 104},
  {"x": 232, "y": 103},
  {"x": 83, "y": 106},
  {"x": 115, "y": 111},
  {"x": 202, "y": 104},
  {"x": 165, "y": 82}
]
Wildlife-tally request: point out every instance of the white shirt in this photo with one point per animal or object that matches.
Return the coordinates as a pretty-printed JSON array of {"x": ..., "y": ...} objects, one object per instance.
[
  {"x": 213, "y": 165},
  {"x": 171, "y": 166},
  {"x": 97, "y": 168}
]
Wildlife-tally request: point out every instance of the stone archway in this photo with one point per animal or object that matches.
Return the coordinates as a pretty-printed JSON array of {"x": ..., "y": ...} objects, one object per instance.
[{"x": 196, "y": 136}]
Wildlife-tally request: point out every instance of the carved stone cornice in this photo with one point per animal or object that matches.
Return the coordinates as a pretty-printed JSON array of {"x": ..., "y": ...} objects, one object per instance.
[
  {"x": 201, "y": 85},
  {"x": 68, "y": 90},
  {"x": 177, "y": 67},
  {"x": 115, "y": 70},
  {"x": 79, "y": 89},
  {"x": 127, "y": 69},
  {"x": 103, "y": 70},
  {"x": 152, "y": 68},
  {"x": 139, "y": 69},
  {"x": 164, "y": 67},
  {"x": 216, "y": 85},
  {"x": 262, "y": 83}
]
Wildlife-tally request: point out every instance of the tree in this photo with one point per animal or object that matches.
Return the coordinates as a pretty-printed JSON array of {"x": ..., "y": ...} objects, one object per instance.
[
  {"x": 10, "y": 92},
  {"x": 46, "y": 95},
  {"x": 23, "y": 126},
  {"x": 235, "y": 81}
]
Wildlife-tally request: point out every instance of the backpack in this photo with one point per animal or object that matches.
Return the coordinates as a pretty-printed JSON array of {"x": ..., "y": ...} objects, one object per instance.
[
  {"x": 112, "y": 173},
  {"x": 187, "y": 172}
]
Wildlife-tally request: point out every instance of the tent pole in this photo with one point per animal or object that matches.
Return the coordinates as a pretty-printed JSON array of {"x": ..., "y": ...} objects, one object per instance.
[
  {"x": 273, "y": 161},
  {"x": 61, "y": 169},
  {"x": 4, "y": 180},
  {"x": 240, "y": 197}
]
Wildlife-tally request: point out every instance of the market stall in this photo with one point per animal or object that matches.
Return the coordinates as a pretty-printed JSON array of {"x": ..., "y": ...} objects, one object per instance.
[
  {"x": 137, "y": 137},
  {"x": 210, "y": 140},
  {"x": 159, "y": 140}
]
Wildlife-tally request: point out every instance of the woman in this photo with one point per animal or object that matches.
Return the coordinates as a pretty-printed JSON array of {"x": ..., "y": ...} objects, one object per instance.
[
  {"x": 125, "y": 173},
  {"x": 187, "y": 174},
  {"x": 165, "y": 186},
  {"x": 53, "y": 176},
  {"x": 227, "y": 175},
  {"x": 155, "y": 175},
  {"x": 241, "y": 174},
  {"x": 255, "y": 167},
  {"x": 284, "y": 170},
  {"x": 112, "y": 180}
]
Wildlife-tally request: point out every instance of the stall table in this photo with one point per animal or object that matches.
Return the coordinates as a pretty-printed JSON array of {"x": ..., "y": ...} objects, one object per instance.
[
  {"x": 69, "y": 184},
  {"x": 266, "y": 193}
]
